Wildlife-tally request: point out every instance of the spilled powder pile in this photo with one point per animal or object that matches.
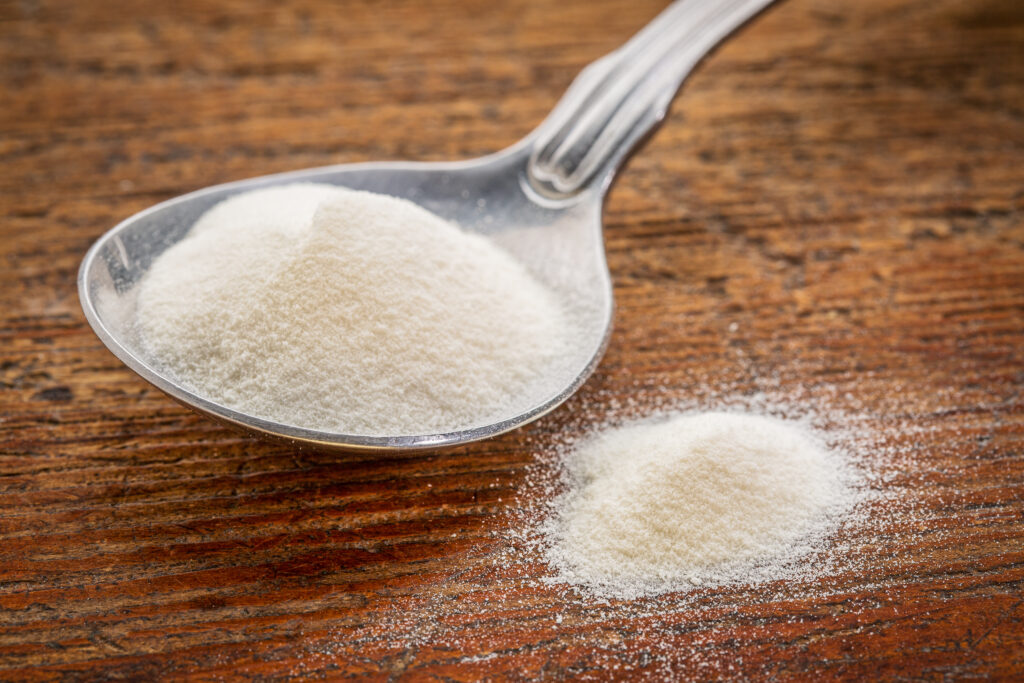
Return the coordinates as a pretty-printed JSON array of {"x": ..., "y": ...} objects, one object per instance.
[
  {"x": 670, "y": 634},
  {"x": 700, "y": 499},
  {"x": 349, "y": 312}
]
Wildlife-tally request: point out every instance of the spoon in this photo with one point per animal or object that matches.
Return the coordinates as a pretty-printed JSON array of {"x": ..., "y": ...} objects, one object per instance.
[{"x": 540, "y": 200}]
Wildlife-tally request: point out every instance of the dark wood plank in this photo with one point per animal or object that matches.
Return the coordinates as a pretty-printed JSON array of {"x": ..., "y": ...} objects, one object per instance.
[{"x": 832, "y": 215}]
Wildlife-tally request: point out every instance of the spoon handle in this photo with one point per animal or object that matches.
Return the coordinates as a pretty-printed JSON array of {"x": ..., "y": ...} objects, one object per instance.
[{"x": 618, "y": 99}]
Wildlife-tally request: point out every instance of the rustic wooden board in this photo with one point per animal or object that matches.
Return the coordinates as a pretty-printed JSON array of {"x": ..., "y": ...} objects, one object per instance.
[{"x": 832, "y": 214}]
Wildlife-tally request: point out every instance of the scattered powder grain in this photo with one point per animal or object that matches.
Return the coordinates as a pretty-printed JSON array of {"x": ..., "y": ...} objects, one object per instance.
[
  {"x": 349, "y": 312},
  {"x": 700, "y": 499}
]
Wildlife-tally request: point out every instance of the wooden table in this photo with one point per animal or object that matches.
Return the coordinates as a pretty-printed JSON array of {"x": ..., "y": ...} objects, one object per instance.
[{"x": 832, "y": 214}]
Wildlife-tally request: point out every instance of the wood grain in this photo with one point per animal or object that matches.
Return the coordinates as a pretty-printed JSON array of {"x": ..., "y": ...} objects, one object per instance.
[{"x": 833, "y": 213}]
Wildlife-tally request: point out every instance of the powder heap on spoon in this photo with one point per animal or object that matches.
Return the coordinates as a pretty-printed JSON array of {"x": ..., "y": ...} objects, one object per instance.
[{"x": 349, "y": 312}]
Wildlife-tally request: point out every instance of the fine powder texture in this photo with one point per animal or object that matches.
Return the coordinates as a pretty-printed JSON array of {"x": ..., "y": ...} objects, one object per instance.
[
  {"x": 708, "y": 498},
  {"x": 349, "y": 312}
]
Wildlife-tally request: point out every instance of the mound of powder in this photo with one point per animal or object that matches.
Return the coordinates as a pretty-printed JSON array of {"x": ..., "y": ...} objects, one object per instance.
[
  {"x": 708, "y": 498},
  {"x": 349, "y": 312}
]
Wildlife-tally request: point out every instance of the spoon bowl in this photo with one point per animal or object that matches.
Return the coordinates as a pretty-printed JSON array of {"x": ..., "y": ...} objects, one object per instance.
[
  {"x": 540, "y": 200},
  {"x": 558, "y": 242}
]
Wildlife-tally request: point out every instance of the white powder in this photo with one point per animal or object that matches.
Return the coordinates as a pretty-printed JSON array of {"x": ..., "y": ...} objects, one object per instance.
[
  {"x": 700, "y": 499},
  {"x": 349, "y": 312}
]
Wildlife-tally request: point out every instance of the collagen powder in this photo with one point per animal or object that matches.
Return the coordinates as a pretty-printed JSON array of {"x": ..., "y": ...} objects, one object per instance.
[
  {"x": 701, "y": 499},
  {"x": 349, "y": 312}
]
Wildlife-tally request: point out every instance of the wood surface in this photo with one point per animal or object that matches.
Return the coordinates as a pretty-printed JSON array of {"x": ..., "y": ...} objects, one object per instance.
[{"x": 832, "y": 214}]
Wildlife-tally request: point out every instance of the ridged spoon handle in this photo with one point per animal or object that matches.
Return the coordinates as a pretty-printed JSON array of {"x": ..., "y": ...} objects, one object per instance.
[{"x": 618, "y": 99}]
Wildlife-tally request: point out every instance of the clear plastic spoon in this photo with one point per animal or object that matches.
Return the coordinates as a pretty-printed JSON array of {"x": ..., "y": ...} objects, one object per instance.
[{"x": 540, "y": 200}]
